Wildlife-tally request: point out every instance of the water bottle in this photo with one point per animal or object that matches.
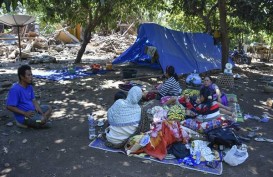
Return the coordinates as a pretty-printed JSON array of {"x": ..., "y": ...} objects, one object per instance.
[
  {"x": 198, "y": 157},
  {"x": 92, "y": 129}
]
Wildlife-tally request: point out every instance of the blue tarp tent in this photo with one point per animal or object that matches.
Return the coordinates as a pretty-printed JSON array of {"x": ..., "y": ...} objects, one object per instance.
[{"x": 185, "y": 51}]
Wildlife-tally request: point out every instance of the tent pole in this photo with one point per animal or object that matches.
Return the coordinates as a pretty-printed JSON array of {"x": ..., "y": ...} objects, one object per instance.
[{"x": 20, "y": 59}]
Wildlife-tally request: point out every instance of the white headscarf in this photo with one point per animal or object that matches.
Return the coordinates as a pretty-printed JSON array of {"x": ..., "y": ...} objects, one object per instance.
[{"x": 126, "y": 112}]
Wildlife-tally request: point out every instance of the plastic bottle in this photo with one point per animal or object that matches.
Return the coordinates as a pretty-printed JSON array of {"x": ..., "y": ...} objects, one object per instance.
[
  {"x": 198, "y": 157},
  {"x": 92, "y": 129}
]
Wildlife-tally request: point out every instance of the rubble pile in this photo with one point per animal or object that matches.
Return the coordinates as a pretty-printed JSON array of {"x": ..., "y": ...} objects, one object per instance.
[{"x": 50, "y": 49}]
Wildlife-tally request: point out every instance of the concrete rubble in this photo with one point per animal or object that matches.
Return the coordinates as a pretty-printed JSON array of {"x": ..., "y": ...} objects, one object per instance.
[{"x": 50, "y": 49}]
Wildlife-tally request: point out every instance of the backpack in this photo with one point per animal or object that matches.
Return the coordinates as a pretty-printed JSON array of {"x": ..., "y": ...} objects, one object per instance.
[{"x": 223, "y": 136}]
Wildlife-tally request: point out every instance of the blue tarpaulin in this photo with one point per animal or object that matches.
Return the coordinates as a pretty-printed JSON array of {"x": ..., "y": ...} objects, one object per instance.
[{"x": 185, "y": 51}]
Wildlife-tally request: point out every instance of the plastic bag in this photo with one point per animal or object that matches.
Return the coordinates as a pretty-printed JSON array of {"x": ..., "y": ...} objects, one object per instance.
[
  {"x": 194, "y": 79},
  {"x": 236, "y": 156}
]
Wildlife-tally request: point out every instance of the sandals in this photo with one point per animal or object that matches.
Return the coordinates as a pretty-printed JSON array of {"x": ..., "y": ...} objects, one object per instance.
[
  {"x": 253, "y": 129},
  {"x": 261, "y": 139}
]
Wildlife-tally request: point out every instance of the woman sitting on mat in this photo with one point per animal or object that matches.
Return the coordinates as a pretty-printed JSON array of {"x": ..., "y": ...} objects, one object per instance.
[
  {"x": 218, "y": 96},
  {"x": 170, "y": 87},
  {"x": 124, "y": 118},
  {"x": 207, "y": 113}
]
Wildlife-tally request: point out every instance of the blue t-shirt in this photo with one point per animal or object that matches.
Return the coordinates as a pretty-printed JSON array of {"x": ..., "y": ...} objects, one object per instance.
[{"x": 22, "y": 98}]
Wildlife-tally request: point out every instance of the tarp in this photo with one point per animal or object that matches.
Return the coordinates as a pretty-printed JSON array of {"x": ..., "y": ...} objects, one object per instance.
[{"x": 185, "y": 51}]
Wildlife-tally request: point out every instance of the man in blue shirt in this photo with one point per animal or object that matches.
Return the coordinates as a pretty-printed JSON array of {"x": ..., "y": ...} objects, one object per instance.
[{"x": 21, "y": 101}]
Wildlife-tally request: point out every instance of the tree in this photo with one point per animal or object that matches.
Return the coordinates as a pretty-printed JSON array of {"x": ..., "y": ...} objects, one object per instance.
[
  {"x": 256, "y": 15},
  {"x": 90, "y": 13},
  {"x": 223, "y": 30},
  {"x": 10, "y": 4},
  {"x": 204, "y": 9}
]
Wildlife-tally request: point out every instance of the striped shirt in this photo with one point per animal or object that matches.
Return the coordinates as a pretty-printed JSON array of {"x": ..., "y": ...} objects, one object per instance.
[
  {"x": 170, "y": 88},
  {"x": 204, "y": 113}
]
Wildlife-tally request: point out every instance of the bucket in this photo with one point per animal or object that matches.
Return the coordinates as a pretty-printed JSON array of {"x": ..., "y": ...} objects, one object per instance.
[
  {"x": 129, "y": 73},
  {"x": 109, "y": 66}
]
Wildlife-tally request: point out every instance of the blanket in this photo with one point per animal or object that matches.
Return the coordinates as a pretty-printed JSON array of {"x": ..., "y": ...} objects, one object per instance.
[
  {"x": 65, "y": 74},
  {"x": 202, "y": 167}
]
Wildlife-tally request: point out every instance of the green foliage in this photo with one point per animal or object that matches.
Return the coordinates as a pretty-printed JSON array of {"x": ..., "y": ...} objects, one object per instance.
[
  {"x": 245, "y": 18},
  {"x": 9, "y": 5},
  {"x": 257, "y": 14}
]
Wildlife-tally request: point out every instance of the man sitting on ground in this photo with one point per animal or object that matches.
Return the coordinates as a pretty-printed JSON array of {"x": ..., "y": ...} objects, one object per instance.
[{"x": 21, "y": 101}]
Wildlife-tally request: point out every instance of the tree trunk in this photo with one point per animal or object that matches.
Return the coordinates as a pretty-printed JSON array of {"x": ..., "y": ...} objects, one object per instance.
[
  {"x": 269, "y": 52},
  {"x": 224, "y": 32},
  {"x": 86, "y": 39},
  {"x": 93, "y": 21},
  {"x": 208, "y": 25}
]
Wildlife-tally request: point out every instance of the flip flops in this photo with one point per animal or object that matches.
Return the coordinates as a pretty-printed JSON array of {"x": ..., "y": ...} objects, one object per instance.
[
  {"x": 261, "y": 139},
  {"x": 264, "y": 118},
  {"x": 253, "y": 129}
]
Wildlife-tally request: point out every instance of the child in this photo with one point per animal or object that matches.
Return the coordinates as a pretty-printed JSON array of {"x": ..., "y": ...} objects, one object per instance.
[{"x": 208, "y": 113}]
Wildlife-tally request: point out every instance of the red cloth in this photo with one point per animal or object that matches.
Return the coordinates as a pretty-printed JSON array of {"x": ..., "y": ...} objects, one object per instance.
[
  {"x": 150, "y": 96},
  {"x": 166, "y": 138}
]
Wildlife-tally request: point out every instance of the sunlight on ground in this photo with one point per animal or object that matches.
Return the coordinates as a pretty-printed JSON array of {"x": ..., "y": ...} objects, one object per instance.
[
  {"x": 253, "y": 170},
  {"x": 59, "y": 141},
  {"x": 100, "y": 114},
  {"x": 5, "y": 171},
  {"x": 65, "y": 82},
  {"x": 126, "y": 164},
  {"x": 84, "y": 103},
  {"x": 86, "y": 79},
  {"x": 39, "y": 83},
  {"x": 111, "y": 84},
  {"x": 10, "y": 71},
  {"x": 75, "y": 167},
  {"x": 61, "y": 112},
  {"x": 257, "y": 106},
  {"x": 81, "y": 120}
]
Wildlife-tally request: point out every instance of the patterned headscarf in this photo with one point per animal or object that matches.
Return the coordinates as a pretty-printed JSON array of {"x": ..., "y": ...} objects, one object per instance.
[{"x": 126, "y": 112}]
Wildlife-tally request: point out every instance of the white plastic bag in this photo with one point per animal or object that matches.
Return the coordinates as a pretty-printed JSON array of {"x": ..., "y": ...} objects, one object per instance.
[{"x": 236, "y": 156}]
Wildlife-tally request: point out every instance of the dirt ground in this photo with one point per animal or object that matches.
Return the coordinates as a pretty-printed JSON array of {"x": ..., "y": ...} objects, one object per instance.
[{"x": 63, "y": 149}]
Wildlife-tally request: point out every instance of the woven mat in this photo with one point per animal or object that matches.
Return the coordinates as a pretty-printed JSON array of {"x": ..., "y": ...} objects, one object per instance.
[
  {"x": 99, "y": 144},
  {"x": 233, "y": 102}
]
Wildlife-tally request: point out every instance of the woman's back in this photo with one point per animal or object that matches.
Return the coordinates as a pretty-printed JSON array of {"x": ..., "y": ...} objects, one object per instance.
[
  {"x": 124, "y": 117},
  {"x": 171, "y": 87}
]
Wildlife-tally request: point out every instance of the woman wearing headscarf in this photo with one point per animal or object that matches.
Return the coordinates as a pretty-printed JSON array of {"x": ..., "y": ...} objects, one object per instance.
[{"x": 124, "y": 118}]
